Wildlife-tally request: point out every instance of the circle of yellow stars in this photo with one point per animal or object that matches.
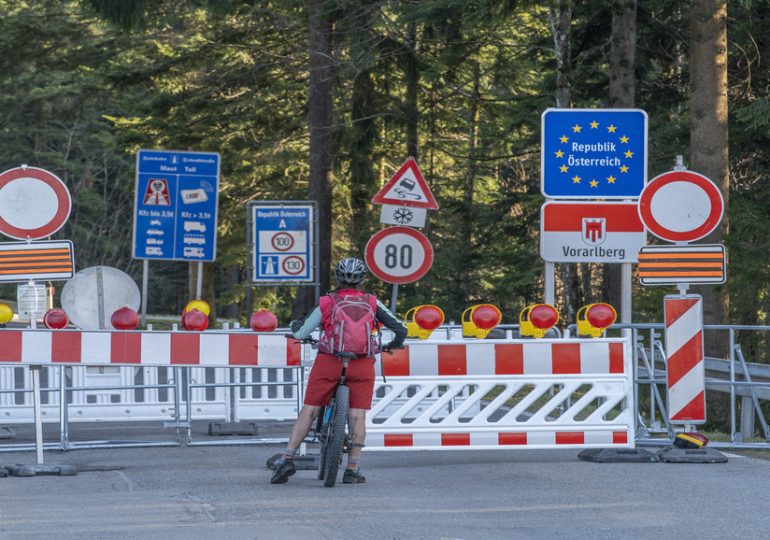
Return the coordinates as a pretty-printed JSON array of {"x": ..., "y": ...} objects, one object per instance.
[{"x": 622, "y": 169}]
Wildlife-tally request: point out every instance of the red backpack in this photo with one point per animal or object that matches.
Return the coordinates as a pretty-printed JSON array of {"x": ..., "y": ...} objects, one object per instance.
[{"x": 348, "y": 322}]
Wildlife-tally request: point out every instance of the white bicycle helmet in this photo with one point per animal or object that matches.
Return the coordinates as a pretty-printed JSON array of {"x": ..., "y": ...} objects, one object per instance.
[{"x": 350, "y": 270}]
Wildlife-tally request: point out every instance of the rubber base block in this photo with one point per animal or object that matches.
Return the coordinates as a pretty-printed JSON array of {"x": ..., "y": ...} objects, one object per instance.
[
  {"x": 34, "y": 470},
  {"x": 618, "y": 455},
  {"x": 302, "y": 463},
  {"x": 3, "y": 472},
  {"x": 232, "y": 428},
  {"x": 682, "y": 455}
]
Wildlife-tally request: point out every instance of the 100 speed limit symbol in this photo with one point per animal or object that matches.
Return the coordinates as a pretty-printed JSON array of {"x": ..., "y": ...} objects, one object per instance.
[{"x": 399, "y": 255}]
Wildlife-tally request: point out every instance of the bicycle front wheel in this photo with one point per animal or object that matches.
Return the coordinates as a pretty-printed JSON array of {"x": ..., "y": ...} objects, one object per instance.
[{"x": 337, "y": 435}]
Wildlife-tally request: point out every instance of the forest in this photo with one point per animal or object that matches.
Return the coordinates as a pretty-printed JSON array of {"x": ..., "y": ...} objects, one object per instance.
[{"x": 325, "y": 99}]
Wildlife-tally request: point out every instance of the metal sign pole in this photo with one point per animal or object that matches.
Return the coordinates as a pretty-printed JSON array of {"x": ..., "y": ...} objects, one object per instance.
[
  {"x": 394, "y": 298},
  {"x": 626, "y": 296},
  {"x": 145, "y": 282},
  {"x": 550, "y": 286},
  {"x": 199, "y": 281}
]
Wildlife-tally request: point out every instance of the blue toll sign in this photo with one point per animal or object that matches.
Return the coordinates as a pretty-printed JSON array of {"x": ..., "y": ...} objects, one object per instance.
[
  {"x": 175, "y": 213},
  {"x": 593, "y": 153},
  {"x": 283, "y": 243}
]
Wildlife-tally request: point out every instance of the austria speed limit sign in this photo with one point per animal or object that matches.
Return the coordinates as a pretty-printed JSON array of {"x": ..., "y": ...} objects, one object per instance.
[{"x": 399, "y": 255}]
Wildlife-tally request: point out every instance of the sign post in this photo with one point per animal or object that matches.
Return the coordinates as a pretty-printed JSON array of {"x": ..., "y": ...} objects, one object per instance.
[
  {"x": 34, "y": 204},
  {"x": 682, "y": 206},
  {"x": 593, "y": 154},
  {"x": 175, "y": 210},
  {"x": 405, "y": 200}
]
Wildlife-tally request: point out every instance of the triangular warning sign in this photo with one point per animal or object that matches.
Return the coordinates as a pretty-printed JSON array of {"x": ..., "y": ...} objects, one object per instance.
[{"x": 407, "y": 188}]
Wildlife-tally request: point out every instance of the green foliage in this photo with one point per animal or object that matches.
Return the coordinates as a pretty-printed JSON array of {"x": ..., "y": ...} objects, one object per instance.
[{"x": 82, "y": 95}]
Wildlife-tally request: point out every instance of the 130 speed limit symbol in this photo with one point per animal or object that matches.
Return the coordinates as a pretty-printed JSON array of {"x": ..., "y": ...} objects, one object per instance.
[{"x": 399, "y": 255}]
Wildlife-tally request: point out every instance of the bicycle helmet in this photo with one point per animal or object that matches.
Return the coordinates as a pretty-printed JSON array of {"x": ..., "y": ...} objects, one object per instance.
[{"x": 351, "y": 271}]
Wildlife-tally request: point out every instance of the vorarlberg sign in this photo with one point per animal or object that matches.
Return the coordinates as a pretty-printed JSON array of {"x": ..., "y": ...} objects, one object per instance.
[{"x": 606, "y": 232}]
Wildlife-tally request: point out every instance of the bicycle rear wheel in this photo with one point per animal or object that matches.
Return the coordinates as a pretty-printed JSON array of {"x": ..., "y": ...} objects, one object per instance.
[{"x": 337, "y": 435}]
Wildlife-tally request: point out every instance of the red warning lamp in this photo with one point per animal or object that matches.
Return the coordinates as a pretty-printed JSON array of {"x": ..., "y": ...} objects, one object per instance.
[
  {"x": 263, "y": 321},
  {"x": 422, "y": 320},
  {"x": 55, "y": 319},
  {"x": 601, "y": 315},
  {"x": 594, "y": 319},
  {"x": 428, "y": 317},
  {"x": 477, "y": 321},
  {"x": 537, "y": 319},
  {"x": 543, "y": 316},
  {"x": 125, "y": 318},
  {"x": 486, "y": 316},
  {"x": 195, "y": 320}
]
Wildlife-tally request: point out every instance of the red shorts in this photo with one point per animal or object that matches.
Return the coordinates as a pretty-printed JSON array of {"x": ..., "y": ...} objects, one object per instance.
[{"x": 326, "y": 373}]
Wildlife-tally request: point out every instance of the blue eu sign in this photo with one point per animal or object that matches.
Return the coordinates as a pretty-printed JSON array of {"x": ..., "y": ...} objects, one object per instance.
[
  {"x": 175, "y": 213},
  {"x": 593, "y": 153}
]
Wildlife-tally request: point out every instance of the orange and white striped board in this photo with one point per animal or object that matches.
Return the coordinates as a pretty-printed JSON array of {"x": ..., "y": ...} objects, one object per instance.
[
  {"x": 204, "y": 349},
  {"x": 37, "y": 261},
  {"x": 686, "y": 373},
  {"x": 672, "y": 264}
]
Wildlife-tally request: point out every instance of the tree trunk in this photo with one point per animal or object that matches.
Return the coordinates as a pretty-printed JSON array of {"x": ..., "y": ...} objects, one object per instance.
[
  {"x": 708, "y": 135},
  {"x": 412, "y": 89},
  {"x": 363, "y": 185},
  {"x": 319, "y": 120},
  {"x": 561, "y": 20},
  {"x": 466, "y": 226},
  {"x": 622, "y": 89}
]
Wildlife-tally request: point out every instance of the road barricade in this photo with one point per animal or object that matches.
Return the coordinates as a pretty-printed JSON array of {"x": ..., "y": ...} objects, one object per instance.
[
  {"x": 448, "y": 393},
  {"x": 514, "y": 393}
]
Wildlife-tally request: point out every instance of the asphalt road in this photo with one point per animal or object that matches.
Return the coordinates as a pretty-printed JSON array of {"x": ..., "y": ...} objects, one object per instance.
[{"x": 224, "y": 492}]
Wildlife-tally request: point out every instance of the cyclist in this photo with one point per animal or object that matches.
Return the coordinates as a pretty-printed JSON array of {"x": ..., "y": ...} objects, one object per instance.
[{"x": 349, "y": 274}]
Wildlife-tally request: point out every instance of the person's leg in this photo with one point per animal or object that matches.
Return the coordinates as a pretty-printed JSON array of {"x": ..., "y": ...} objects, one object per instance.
[
  {"x": 301, "y": 428},
  {"x": 323, "y": 378},
  {"x": 358, "y": 436},
  {"x": 361, "y": 383}
]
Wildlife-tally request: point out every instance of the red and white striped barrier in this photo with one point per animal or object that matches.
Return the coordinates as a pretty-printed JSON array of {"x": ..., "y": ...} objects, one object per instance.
[
  {"x": 204, "y": 349},
  {"x": 460, "y": 394},
  {"x": 686, "y": 379},
  {"x": 497, "y": 439},
  {"x": 523, "y": 357}
]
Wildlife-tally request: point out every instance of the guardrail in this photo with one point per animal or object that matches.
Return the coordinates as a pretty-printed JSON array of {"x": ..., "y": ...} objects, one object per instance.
[{"x": 733, "y": 375}]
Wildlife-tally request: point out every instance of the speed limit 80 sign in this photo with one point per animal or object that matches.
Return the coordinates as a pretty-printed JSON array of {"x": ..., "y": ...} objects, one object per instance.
[{"x": 399, "y": 255}]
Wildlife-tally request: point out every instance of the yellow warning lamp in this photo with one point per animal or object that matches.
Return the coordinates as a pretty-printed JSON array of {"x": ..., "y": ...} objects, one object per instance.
[
  {"x": 594, "y": 319},
  {"x": 6, "y": 313},
  {"x": 537, "y": 319},
  {"x": 480, "y": 319},
  {"x": 200, "y": 305},
  {"x": 422, "y": 320}
]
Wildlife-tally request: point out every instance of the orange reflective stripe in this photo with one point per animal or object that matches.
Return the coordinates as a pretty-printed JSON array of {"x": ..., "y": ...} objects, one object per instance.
[{"x": 691, "y": 255}]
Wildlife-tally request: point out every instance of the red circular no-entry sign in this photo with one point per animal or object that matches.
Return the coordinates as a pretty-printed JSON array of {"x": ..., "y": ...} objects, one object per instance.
[
  {"x": 34, "y": 203},
  {"x": 681, "y": 206},
  {"x": 399, "y": 255}
]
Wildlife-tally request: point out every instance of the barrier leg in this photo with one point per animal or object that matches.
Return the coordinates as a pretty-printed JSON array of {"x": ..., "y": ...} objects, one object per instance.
[
  {"x": 747, "y": 418},
  {"x": 39, "y": 467},
  {"x": 36, "y": 403}
]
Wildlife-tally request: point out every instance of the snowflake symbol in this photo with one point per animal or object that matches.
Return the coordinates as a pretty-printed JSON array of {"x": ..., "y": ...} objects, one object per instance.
[{"x": 403, "y": 216}]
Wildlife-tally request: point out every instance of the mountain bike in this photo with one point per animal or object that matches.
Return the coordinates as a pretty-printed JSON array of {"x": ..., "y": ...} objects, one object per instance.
[
  {"x": 332, "y": 424},
  {"x": 332, "y": 427}
]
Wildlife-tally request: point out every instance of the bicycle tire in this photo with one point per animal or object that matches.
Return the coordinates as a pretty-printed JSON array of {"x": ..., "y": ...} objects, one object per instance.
[
  {"x": 337, "y": 435},
  {"x": 323, "y": 434}
]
